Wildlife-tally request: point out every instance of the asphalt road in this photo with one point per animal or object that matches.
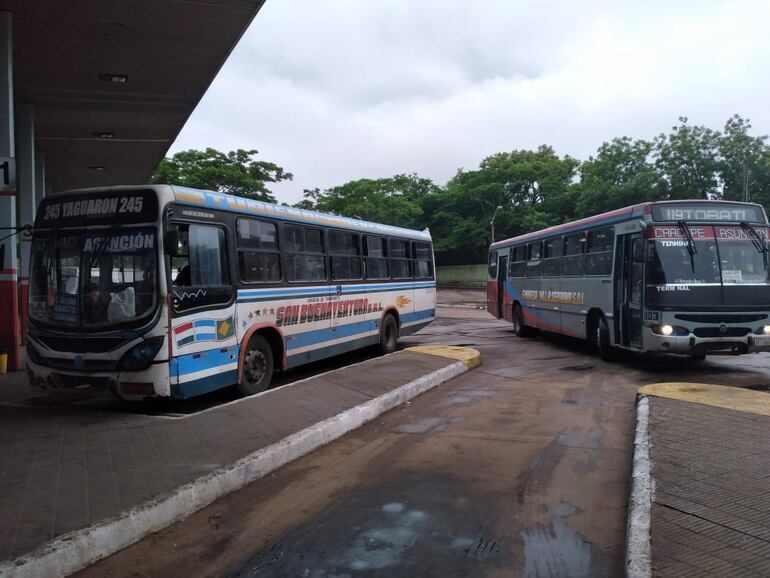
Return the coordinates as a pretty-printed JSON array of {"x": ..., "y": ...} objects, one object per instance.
[{"x": 520, "y": 467}]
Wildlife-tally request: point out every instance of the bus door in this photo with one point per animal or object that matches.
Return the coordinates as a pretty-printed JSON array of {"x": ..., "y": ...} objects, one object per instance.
[
  {"x": 631, "y": 281},
  {"x": 502, "y": 276},
  {"x": 492, "y": 291}
]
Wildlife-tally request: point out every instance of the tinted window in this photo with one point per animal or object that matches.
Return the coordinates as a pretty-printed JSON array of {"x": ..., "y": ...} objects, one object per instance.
[
  {"x": 400, "y": 261},
  {"x": 258, "y": 257},
  {"x": 535, "y": 250},
  {"x": 376, "y": 263},
  {"x": 598, "y": 260},
  {"x": 518, "y": 265},
  {"x": 573, "y": 244},
  {"x": 345, "y": 251},
  {"x": 492, "y": 266},
  {"x": 304, "y": 253},
  {"x": 423, "y": 264}
]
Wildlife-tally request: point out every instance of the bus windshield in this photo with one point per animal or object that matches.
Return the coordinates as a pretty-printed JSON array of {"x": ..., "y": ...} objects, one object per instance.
[
  {"x": 93, "y": 278},
  {"x": 719, "y": 255}
]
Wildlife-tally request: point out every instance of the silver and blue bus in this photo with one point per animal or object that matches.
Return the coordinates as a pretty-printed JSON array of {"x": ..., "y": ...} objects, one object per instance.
[
  {"x": 685, "y": 277},
  {"x": 163, "y": 291}
]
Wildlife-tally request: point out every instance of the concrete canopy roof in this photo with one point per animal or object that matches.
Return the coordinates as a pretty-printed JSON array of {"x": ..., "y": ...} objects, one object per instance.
[{"x": 168, "y": 50}]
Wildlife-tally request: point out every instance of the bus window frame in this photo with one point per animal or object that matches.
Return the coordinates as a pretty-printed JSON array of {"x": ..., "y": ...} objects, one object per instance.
[
  {"x": 610, "y": 251},
  {"x": 520, "y": 272},
  {"x": 534, "y": 266},
  {"x": 220, "y": 221},
  {"x": 408, "y": 259},
  {"x": 549, "y": 259},
  {"x": 284, "y": 254},
  {"x": 330, "y": 256},
  {"x": 279, "y": 250},
  {"x": 576, "y": 257},
  {"x": 431, "y": 268},
  {"x": 365, "y": 250}
]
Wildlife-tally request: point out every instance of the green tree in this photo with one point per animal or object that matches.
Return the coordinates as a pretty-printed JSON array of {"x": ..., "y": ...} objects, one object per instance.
[
  {"x": 235, "y": 172},
  {"x": 620, "y": 174},
  {"x": 533, "y": 189},
  {"x": 394, "y": 201},
  {"x": 742, "y": 161},
  {"x": 688, "y": 159}
]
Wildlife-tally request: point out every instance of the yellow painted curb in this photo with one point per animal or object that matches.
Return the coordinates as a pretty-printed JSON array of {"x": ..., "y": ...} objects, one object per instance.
[
  {"x": 734, "y": 398},
  {"x": 470, "y": 357}
]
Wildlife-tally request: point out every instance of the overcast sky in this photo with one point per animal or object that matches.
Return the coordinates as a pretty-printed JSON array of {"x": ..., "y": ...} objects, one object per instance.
[{"x": 337, "y": 90}]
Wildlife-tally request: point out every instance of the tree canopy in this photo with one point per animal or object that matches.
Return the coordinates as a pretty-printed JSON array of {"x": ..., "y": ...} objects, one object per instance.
[
  {"x": 533, "y": 188},
  {"x": 235, "y": 172}
]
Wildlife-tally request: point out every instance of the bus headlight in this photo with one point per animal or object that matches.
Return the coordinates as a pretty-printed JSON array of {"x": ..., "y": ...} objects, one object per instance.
[
  {"x": 766, "y": 330},
  {"x": 140, "y": 356},
  {"x": 669, "y": 330}
]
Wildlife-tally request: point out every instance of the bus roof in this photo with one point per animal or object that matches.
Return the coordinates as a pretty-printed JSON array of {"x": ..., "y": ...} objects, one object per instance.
[
  {"x": 609, "y": 218},
  {"x": 639, "y": 211},
  {"x": 216, "y": 200}
]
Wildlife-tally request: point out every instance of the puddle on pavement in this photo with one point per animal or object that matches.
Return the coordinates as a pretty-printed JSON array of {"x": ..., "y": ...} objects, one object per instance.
[
  {"x": 582, "y": 367},
  {"x": 429, "y": 424},
  {"x": 366, "y": 535}
]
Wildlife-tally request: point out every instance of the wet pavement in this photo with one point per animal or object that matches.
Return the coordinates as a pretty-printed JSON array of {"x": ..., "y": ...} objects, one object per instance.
[{"x": 520, "y": 467}]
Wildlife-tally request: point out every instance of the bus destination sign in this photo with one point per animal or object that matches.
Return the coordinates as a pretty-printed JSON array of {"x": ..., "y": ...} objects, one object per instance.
[
  {"x": 118, "y": 207},
  {"x": 708, "y": 212}
]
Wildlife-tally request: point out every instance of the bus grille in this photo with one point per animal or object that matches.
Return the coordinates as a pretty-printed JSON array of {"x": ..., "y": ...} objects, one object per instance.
[
  {"x": 717, "y": 332},
  {"x": 82, "y": 344},
  {"x": 721, "y": 317},
  {"x": 84, "y": 364}
]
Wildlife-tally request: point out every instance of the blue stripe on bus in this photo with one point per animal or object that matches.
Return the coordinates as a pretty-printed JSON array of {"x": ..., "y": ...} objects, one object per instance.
[
  {"x": 348, "y": 330},
  {"x": 192, "y": 362},
  {"x": 204, "y": 384},
  {"x": 205, "y": 323},
  {"x": 345, "y": 288},
  {"x": 321, "y": 335},
  {"x": 251, "y": 297}
]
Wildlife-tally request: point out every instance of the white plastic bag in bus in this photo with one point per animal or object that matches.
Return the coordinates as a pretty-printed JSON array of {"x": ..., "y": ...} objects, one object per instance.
[{"x": 122, "y": 305}]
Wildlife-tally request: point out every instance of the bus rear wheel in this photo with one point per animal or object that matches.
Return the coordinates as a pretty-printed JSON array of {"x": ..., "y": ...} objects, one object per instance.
[
  {"x": 388, "y": 334},
  {"x": 257, "y": 370},
  {"x": 519, "y": 327}
]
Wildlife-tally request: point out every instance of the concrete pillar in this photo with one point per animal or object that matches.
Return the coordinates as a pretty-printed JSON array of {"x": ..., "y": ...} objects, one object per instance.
[
  {"x": 25, "y": 177},
  {"x": 39, "y": 178},
  {"x": 9, "y": 296}
]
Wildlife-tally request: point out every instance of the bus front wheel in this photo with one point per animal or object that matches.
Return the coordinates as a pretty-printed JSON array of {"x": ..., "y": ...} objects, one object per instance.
[
  {"x": 388, "y": 334},
  {"x": 519, "y": 327},
  {"x": 257, "y": 371},
  {"x": 603, "y": 344}
]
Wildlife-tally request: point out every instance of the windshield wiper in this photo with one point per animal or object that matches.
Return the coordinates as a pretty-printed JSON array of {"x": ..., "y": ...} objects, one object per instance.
[
  {"x": 759, "y": 243},
  {"x": 691, "y": 249}
]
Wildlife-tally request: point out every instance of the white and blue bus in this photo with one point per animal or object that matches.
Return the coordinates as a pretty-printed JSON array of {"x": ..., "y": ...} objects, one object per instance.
[{"x": 164, "y": 291}]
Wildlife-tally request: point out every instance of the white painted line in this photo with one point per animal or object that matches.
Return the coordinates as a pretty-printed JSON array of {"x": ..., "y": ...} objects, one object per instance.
[
  {"x": 76, "y": 550},
  {"x": 638, "y": 549}
]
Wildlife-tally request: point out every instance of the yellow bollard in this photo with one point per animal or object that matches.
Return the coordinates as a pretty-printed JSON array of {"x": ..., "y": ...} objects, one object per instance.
[{"x": 3, "y": 363}]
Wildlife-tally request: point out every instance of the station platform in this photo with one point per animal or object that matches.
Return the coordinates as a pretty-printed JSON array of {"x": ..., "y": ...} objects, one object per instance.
[
  {"x": 710, "y": 474},
  {"x": 77, "y": 484}
]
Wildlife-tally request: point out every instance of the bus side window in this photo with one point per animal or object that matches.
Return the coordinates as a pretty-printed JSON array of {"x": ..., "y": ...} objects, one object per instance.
[
  {"x": 201, "y": 258},
  {"x": 345, "y": 255},
  {"x": 400, "y": 259},
  {"x": 574, "y": 260},
  {"x": 599, "y": 251},
  {"x": 423, "y": 261},
  {"x": 376, "y": 258},
  {"x": 492, "y": 267},
  {"x": 535, "y": 260},
  {"x": 518, "y": 262}
]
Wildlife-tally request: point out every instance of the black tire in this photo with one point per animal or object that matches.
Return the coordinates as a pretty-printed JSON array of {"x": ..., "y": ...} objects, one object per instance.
[
  {"x": 519, "y": 327},
  {"x": 388, "y": 334},
  {"x": 603, "y": 343},
  {"x": 257, "y": 371}
]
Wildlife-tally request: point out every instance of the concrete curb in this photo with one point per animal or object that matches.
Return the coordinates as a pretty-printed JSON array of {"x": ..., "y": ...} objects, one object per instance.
[
  {"x": 78, "y": 549},
  {"x": 638, "y": 549}
]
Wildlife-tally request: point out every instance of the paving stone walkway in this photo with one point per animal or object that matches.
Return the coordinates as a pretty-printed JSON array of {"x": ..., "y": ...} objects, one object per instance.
[
  {"x": 64, "y": 468},
  {"x": 711, "y": 506}
]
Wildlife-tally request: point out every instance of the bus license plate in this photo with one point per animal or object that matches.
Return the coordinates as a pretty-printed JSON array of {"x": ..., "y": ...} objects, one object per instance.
[{"x": 762, "y": 341}]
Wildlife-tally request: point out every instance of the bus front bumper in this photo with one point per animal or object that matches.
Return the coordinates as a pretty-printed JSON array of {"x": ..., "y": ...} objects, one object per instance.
[
  {"x": 126, "y": 385},
  {"x": 693, "y": 345}
]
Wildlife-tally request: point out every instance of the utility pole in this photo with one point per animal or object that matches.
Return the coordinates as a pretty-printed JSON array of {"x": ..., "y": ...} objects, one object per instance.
[{"x": 492, "y": 223}]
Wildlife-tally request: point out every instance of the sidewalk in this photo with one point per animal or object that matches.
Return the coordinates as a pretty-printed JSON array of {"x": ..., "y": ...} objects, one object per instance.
[
  {"x": 93, "y": 481},
  {"x": 710, "y": 511}
]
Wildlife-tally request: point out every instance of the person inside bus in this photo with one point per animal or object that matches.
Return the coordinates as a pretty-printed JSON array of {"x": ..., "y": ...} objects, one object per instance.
[{"x": 183, "y": 277}]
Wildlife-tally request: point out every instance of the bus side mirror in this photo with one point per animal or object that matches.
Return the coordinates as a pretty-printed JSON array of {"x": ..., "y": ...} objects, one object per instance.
[{"x": 171, "y": 241}]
